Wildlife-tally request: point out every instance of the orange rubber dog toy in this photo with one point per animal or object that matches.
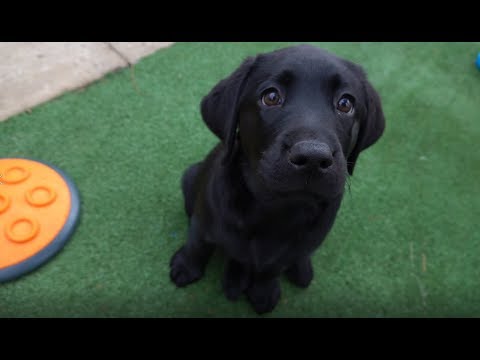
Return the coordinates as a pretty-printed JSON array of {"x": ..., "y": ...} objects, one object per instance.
[{"x": 39, "y": 208}]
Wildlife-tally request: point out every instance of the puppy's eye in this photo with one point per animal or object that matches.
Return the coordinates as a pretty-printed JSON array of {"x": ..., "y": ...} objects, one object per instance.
[
  {"x": 345, "y": 104},
  {"x": 271, "y": 97}
]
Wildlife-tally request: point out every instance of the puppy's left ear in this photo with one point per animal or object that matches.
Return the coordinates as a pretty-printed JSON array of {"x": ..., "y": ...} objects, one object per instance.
[
  {"x": 220, "y": 107},
  {"x": 370, "y": 128}
]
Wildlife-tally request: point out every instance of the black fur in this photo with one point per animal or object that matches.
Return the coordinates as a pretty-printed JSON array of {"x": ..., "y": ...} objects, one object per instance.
[{"x": 269, "y": 192}]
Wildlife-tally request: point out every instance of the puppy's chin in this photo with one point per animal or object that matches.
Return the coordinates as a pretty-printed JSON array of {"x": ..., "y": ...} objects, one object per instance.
[{"x": 280, "y": 178}]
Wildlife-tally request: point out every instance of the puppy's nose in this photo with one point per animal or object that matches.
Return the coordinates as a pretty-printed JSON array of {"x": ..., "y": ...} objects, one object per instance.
[{"x": 311, "y": 154}]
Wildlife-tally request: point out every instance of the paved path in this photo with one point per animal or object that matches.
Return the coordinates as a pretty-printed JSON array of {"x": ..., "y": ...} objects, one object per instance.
[{"x": 32, "y": 73}]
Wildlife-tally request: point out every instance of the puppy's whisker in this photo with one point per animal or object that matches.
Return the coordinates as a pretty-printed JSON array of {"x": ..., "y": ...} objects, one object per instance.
[{"x": 348, "y": 180}]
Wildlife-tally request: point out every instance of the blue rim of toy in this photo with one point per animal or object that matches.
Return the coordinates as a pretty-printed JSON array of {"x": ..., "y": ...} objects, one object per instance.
[{"x": 44, "y": 255}]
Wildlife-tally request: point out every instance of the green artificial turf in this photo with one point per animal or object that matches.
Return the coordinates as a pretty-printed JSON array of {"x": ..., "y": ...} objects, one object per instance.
[{"x": 406, "y": 240}]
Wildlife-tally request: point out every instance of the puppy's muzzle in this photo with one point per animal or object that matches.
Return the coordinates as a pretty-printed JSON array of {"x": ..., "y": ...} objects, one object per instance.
[{"x": 311, "y": 156}]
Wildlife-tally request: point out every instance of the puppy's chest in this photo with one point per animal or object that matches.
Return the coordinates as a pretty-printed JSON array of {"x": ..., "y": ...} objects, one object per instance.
[
  {"x": 272, "y": 236},
  {"x": 284, "y": 218}
]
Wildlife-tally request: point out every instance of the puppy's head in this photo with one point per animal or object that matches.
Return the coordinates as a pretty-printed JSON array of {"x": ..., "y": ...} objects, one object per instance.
[{"x": 300, "y": 115}]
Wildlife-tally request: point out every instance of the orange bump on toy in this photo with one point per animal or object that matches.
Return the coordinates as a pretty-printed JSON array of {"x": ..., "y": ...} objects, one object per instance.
[{"x": 39, "y": 208}]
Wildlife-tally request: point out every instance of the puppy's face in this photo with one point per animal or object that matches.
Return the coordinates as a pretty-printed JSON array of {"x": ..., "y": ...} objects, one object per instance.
[{"x": 303, "y": 116}]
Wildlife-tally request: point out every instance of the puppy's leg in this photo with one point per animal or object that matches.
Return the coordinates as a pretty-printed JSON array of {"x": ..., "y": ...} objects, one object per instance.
[
  {"x": 300, "y": 273},
  {"x": 188, "y": 187},
  {"x": 235, "y": 279},
  {"x": 189, "y": 262},
  {"x": 263, "y": 293}
]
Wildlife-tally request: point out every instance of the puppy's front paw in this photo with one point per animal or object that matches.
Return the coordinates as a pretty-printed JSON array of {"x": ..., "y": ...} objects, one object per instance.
[
  {"x": 264, "y": 296},
  {"x": 183, "y": 272},
  {"x": 301, "y": 273}
]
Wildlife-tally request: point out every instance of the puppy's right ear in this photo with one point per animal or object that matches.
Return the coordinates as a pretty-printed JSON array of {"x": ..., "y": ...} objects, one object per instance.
[{"x": 220, "y": 107}]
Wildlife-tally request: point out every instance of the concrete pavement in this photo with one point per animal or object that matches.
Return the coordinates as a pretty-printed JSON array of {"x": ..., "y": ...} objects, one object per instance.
[{"x": 32, "y": 73}]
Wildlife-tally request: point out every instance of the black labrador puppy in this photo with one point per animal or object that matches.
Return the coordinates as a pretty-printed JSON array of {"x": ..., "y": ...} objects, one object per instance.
[{"x": 292, "y": 124}]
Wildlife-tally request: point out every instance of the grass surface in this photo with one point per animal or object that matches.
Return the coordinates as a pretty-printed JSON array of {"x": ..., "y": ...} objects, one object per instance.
[{"x": 405, "y": 243}]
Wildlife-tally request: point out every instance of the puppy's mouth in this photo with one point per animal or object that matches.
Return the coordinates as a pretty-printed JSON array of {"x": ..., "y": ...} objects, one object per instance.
[{"x": 280, "y": 179}]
